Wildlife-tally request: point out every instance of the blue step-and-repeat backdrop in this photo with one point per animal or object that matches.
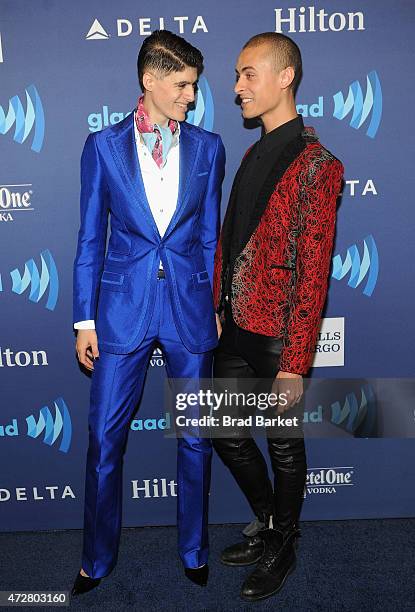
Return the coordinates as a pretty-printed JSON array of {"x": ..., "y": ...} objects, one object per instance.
[{"x": 68, "y": 69}]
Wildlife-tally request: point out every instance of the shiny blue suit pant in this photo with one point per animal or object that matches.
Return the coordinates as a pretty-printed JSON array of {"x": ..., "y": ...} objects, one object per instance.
[{"x": 117, "y": 384}]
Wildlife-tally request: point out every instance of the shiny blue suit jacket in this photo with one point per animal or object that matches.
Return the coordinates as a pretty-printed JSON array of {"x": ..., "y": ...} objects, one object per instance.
[{"x": 116, "y": 285}]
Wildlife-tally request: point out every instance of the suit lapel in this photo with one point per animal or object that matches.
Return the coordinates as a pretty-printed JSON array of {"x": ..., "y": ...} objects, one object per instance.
[
  {"x": 124, "y": 151},
  {"x": 287, "y": 157},
  {"x": 228, "y": 223},
  {"x": 189, "y": 152}
]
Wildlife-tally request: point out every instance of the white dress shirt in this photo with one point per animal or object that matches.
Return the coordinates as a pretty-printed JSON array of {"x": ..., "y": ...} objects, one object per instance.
[{"x": 161, "y": 186}]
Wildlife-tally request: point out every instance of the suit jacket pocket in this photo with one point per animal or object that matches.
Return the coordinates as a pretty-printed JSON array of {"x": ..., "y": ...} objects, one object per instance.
[
  {"x": 114, "y": 281},
  {"x": 281, "y": 267},
  {"x": 200, "y": 280}
]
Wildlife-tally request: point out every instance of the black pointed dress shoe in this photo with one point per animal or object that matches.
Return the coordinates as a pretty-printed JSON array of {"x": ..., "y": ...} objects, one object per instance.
[
  {"x": 83, "y": 584},
  {"x": 277, "y": 562},
  {"x": 198, "y": 575},
  {"x": 244, "y": 553}
]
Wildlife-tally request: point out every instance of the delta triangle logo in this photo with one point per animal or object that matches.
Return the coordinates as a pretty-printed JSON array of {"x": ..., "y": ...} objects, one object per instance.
[{"x": 97, "y": 32}]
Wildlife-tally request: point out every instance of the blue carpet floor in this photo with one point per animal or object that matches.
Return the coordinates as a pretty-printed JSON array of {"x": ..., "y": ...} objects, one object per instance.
[{"x": 342, "y": 566}]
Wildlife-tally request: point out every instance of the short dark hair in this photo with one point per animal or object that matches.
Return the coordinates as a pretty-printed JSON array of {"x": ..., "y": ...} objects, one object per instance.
[
  {"x": 166, "y": 52},
  {"x": 284, "y": 50}
]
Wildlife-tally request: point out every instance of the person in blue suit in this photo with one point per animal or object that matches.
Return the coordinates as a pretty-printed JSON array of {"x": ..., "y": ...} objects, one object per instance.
[{"x": 158, "y": 179}]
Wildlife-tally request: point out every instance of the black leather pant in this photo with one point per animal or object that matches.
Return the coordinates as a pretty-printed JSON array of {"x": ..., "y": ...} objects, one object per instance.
[{"x": 243, "y": 354}]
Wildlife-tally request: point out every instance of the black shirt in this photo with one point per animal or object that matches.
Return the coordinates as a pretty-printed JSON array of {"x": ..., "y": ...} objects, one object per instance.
[{"x": 262, "y": 157}]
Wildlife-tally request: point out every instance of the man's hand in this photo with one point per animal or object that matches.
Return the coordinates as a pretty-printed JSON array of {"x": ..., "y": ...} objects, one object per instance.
[
  {"x": 87, "y": 347},
  {"x": 289, "y": 384},
  {"x": 218, "y": 325}
]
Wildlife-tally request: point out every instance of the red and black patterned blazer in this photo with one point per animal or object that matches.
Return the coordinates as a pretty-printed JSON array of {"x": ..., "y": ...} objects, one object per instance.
[{"x": 279, "y": 283}]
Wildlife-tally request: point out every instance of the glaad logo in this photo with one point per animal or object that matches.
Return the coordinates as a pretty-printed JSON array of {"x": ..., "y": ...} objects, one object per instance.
[
  {"x": 39, "y": 282},
  {"x": 24, "y": 121},
  {"x": 203, "y": 114},
  {"x": 359, "y": 268},
  {"x": 97, "y": 121},
  {"x": 51, "y": 426},
  {"x": 361, "y": 107},
  {"x": 146, "y": 25},
  {"x": 307, "y": 21},
  {"x": 354, "y": 415},
  {"x": 151, "y": 424},
  {"x": 326, "y": 480},
  {"x": 14, "y": 200}
]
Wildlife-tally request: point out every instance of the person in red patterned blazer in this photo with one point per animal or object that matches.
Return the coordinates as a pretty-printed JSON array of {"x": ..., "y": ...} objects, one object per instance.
[{"x": 270, "y": 283}]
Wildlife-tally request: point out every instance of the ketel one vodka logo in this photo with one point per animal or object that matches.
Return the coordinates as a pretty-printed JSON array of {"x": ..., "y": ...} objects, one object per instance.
[
  {"x": 328, "y": 480},
  {"x": 13, "y": 199}
]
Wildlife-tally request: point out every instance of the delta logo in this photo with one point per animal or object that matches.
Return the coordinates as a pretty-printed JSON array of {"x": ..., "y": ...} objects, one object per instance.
[{"x": 144, "y": 26}]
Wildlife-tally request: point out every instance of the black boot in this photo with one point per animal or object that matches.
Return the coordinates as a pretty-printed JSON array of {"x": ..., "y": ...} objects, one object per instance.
[
  {"x": 83, "y": 584},
  {"x": 244, "y": 553},
  {"x": 277, "y": 562},
  {"x": 250, "y": 550}
]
